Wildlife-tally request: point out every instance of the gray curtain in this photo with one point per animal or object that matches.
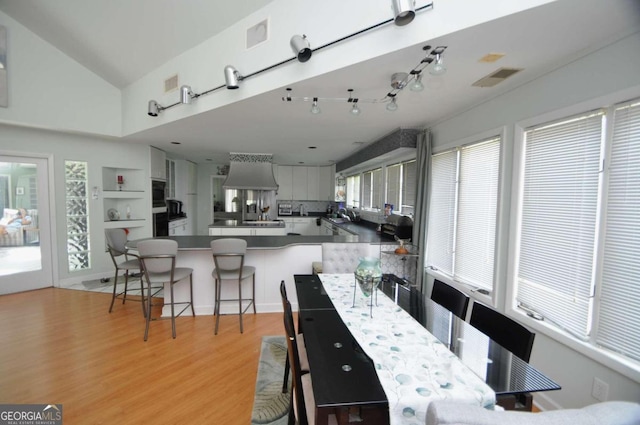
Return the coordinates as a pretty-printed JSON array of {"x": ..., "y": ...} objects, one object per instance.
[{"x": 423, "y": 163}]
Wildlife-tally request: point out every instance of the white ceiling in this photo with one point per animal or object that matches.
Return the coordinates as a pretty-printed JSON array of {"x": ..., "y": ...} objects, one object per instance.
[{"x": 111, "y": 38}]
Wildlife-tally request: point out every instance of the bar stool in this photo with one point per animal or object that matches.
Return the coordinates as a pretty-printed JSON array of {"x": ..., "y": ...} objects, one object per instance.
[
  {"x": 116, "y": 243},
  {"x": 228, "y": 258}
]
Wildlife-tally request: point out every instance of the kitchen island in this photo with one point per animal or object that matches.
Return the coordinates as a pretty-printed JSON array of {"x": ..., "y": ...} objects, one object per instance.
[{"x": 275, "y": 258}]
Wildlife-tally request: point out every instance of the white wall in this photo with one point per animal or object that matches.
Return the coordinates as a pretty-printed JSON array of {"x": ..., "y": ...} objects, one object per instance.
[
  {"x": 610, "y": 74},
  {"x": 47, "y": 89},
  {"x": 98, "y": 153}
]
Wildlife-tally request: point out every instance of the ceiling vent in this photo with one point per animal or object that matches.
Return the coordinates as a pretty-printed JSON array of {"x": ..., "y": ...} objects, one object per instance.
[
  {"x": 171, "y": 83},
  {"x": 496, "y": 77}
]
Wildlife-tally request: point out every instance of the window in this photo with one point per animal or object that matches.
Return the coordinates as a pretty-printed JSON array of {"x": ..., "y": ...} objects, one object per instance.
[
  {"x": 353, "y": 191},
  {"x": 372, "y": 189},
  {"x": 462, "y": 213},
  {"x": 77, "y": 206},
  {"x": 579, "y": 238},
  {"x": 401, "y": 186}
]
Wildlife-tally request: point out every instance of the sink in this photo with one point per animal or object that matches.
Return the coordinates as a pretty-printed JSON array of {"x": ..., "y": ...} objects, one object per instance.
[{"x": 337, "y": 220}]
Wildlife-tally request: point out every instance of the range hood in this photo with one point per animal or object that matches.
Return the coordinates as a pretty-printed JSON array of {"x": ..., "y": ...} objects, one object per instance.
[{"x": 250, "y": 171}]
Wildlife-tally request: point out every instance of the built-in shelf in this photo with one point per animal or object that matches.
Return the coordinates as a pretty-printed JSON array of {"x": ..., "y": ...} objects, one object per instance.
[{"x": 130, "y": 196}]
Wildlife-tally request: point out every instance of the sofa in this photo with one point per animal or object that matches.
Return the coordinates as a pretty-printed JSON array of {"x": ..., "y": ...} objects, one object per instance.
[
  {"x": 27, "y": 235},
  {"x": 443, "y": 412}
]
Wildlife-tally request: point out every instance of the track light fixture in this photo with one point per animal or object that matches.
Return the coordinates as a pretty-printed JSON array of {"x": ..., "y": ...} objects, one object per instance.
[
  {"x": 154, "y": 108},
  {"x": 403, "y": 11},
  {"x": 301, "y": 47},
  {"x": 438, "y": 67},
  {"x": 186, "y": 94},
  {"x": 232, "y": 77},
  {"x": 399, "y": 81}
]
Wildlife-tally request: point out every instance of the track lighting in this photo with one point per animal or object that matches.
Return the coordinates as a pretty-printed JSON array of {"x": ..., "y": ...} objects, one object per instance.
[
  {"x": 403, "y": 11},
  {"x": 399, "y": 80},
  {"x": 154, "y": 108},
  {"x": 354, "y": 109},
  {"x": 232, "y": 77},
  {"x": 315, "y": 109},
  {"x": 392, "y": 106},
  {"x": 438, "y": 67},
  {"x": 417, "y": 85},
  {"x": 301, "y": 47},
  {"x": 186, "y": 95}
]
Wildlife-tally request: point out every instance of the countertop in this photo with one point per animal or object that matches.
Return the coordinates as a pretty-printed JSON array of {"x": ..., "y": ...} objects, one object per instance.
[
  {"x": 186, "y": 243},
  {"x": 239, "y": 223}
]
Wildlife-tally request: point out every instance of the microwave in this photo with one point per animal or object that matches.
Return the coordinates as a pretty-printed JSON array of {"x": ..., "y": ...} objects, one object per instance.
[
  {"x": 158, "y": 198},
  {"x": 284, "y": 209}
]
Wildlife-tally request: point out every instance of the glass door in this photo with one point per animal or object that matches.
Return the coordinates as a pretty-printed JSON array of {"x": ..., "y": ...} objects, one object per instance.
[{"x": 25, "y": 239}]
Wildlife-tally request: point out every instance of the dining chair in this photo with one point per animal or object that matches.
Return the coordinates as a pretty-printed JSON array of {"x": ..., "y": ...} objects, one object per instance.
[
  {"x": 302, "y": 350},
  {"x": 158, "y": 259},
  {"x": 228, "y": 258},
  {"x": 302, "y": 409},
  {"x": 342, "y": 257},
  {"x": 510, "y": 335},
  {"x": 450, "y": 298},
  {"x": 116, "y": 245}
]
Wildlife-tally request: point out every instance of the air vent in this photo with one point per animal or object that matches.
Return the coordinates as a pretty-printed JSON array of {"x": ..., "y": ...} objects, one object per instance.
[
  {"x": 171, "y": 83},
  {"x": 496, "y": 77},
  {"x": 258, "y": 33}
]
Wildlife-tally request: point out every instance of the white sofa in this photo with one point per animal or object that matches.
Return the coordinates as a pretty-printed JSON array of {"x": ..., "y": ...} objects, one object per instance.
[{"x": 606, "y": 413}]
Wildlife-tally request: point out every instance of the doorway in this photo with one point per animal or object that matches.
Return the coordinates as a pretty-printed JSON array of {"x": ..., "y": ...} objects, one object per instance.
[{"x": 25, "y": 237}]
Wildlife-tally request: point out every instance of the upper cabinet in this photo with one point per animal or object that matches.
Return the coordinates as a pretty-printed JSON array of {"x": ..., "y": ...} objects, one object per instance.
[
  {"x": 192, "y": 178},
  {"x": 158, "y": 166},
  {"x": 300, "y": 183}
]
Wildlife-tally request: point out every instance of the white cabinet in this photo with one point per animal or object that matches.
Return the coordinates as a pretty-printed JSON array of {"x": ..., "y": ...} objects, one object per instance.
[
  {"x": 325, "y": 184},
  {"x": 306, "y": 226},
  {"x": 247, "y": 231},
  {"x": 192, "y": 178},
  {"x": 157, "y": 164},
  {"x": 300, "y": 184},
  {"x": 170, "y": 173},
  {"x": 313, "y": 184},
  {"x": 285, "y": 182},
  {"x": 178, "y": 227}
]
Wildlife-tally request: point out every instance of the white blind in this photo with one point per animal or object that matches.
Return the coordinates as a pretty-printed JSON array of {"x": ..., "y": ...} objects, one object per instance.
[
  {"x": 367, "y": 186},
  {"x": 393, "y": 186},
  {"x": 442, "y": 212},
  {"x": 408, "y": 187},
  {"x": 558, "y": 219},
  {"x": 477, "y": 207},
  {"x": 619, "y": 300},
  {"x": 353, "y": 191},
  {"x": 376, "y": 192}
]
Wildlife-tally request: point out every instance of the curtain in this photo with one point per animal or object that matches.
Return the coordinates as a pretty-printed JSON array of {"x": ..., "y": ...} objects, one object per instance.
[{"x": 423, "y": 158}]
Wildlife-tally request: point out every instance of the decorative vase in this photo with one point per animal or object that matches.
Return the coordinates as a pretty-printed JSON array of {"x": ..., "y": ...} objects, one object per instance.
[{"x": 368, "y": 274}]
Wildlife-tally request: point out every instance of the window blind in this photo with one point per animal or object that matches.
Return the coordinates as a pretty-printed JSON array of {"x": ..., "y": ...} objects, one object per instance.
[
  {"x": 367, "y": 186},
  {"x": 477, "y": 208},
  {"x": 376, "y": 192},
  {"x": 393, "y": 186},
  {"x": 353, "y": 191},
  {"x": 619, "y": 301},
  {"x": 558, "y": 220},
  {"x": 442, "y": 211},
  {"x": 408, "y": 187}
]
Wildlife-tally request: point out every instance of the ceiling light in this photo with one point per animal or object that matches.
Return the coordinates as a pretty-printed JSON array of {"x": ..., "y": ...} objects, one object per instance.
[
  {"x": 416, "y": 84},
  {"x": 438, "y": 67},
  {"x": 232, "y": 77},
  {"x": 301, "y": 47},
  {"x": 392, "y": 106},
  {"x": 154, "y": 108},
  {"x": 355, "y": 110},
  {"x": 403, "y": 11},
  {"x": 315, "y": 109},
  {"x": 186, "y": 95},
  {"x": 399, "y": 80}
]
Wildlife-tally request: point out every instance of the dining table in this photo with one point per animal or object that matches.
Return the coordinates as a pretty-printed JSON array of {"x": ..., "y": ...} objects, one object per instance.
[{"x": 385, "y": 357}]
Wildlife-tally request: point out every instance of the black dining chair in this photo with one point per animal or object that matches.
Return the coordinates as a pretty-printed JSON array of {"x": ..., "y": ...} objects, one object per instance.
[
  {"x": 302, "y": 408},
  {"x": 450, "y": 298},
  {"x": 510, "y": 335},
  {"x": 302, "y": 351}
]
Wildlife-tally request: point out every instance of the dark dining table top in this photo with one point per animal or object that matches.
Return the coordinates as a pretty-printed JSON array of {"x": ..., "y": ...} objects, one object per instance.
[{"x": 504, "y": 372}]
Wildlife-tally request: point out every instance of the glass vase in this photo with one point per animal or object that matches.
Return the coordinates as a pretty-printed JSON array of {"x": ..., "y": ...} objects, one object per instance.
[{"x": 368, "y": 274}]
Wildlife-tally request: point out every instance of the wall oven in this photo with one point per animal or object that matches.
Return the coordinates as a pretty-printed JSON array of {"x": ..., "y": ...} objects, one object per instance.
[
  {"x": 161, "y": 224},
  {"x": 158, "y": 196}
]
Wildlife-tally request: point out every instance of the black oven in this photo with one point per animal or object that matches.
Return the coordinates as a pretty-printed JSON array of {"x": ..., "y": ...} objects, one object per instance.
[
  {"x": 158, "y": 193},
  {"x": 160, "y": 224}
]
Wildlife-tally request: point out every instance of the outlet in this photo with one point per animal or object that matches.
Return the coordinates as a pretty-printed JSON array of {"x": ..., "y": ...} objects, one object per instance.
[{"x": 600, "y": 390}]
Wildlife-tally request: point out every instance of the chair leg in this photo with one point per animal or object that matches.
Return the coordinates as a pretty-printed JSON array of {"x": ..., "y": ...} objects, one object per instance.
[
  {"x": 193, "y": 312},
  {"x": 126, "y": 286},
  {"x": 115, "y": 288},
  {"x": 148, "y": 315},
  {"x": 285, "y": 382},
  {"x": 216, "y": 309},
  {"x": 253, "y": 294},
  {"x": 173, "y": 316},
  {"x": 143, "y": 300},
  {"x": 240, "y": 302}
]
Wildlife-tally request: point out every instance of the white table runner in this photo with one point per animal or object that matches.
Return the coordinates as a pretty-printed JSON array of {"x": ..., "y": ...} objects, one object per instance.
[{"x": 413, "y": 367}]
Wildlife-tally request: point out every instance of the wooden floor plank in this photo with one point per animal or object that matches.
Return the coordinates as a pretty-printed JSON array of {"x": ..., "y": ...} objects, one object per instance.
[{"x": 62, "y": 346}]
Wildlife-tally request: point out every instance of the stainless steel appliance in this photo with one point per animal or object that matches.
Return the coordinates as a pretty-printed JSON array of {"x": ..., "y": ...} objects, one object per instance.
[
  {"x": 161, "y": 224},
  {"x": 284, "y": 209},
  {"x": 174, "y": 208},
  {"x": 158, "y": 196}
]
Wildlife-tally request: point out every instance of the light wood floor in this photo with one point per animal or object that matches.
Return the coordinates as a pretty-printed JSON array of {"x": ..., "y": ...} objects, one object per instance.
[{"x": 62, "y": 346}]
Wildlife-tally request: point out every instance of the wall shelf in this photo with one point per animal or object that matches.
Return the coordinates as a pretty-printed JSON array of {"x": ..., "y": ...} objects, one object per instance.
[{"x": 131, "y": 196}]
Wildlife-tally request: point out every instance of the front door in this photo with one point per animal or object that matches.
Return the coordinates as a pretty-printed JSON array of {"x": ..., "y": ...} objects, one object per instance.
[{"x": 25, "y": 237}]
